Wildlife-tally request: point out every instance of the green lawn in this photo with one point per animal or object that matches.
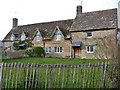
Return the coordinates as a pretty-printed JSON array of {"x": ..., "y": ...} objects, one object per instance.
[{"x": 39, "y": 60}]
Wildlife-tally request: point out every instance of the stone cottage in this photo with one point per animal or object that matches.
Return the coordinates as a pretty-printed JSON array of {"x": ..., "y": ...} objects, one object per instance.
[{"x": 89, "y": 35}]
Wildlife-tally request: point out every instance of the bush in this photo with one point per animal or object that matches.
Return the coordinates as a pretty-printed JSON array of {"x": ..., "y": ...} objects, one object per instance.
[
  {"x": 35, "y": 52},
  {"x": 29, "y": 52}
]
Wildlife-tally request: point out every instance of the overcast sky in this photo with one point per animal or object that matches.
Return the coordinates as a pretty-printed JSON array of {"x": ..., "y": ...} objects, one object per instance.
[{"x": 36, "y": 11}]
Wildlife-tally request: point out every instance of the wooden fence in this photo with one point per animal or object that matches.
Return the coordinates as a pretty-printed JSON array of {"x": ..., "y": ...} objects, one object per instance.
[{"x": 56, "y": 76}]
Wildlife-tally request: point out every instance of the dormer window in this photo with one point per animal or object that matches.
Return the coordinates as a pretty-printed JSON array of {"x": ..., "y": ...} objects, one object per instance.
[
  {"x": 38, "y": 36},
  {"x": 23, "y": 37},
  {"x": 12, "y": 38},
  {"x": 89, "y": 34},
  {"x": 58, "y": 35}
]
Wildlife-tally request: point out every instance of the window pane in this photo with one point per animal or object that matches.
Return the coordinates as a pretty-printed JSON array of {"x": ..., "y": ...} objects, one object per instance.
[
  {"x": 87, "y": 48},
  {"x": 60, "y": 49},
  {"x": 89, "y": 34},
  {"x": 91, "y": 48},
  {"x": 12, "y": 38},
  {"x": 48, "y": 49},
  {"x": 58, "y": 35},
  {"x": 38, "y": 38},
  {"x": 23, "y": 37}
]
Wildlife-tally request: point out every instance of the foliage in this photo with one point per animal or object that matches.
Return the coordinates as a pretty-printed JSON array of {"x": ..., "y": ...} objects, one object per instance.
[
  {"x": 35, "y": 52},
  {"x": 29, "y": 52},
  {"x": 25, "y": 44},
  {"x": 16, "y": 45}
]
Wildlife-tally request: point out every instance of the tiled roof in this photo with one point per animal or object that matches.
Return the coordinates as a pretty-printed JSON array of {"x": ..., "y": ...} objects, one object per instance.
[
  {"x": 46, "y": 29},
  {"x": 104, "y": 19}
]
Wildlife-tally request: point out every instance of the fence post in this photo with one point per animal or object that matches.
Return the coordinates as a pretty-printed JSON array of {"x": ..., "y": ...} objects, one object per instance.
[
  {"x": 103, "y": 73},
  {"x": 51, "y": 77},
  {"x": 0, "y": 76}
]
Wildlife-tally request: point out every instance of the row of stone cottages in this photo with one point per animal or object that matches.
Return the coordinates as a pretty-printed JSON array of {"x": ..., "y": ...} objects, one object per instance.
[{"x": 89, "y": 35}]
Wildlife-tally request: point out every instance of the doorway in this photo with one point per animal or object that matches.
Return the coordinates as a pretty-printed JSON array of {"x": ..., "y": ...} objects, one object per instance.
[{"x": 77, "y": 52}]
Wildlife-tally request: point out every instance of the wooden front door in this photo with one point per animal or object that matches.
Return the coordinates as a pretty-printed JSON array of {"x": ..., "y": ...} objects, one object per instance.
[{"x": 77, "y": 52}]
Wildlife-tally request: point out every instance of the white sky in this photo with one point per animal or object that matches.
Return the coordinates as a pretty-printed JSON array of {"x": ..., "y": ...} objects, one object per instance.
[{"x": 36, "y": 11}]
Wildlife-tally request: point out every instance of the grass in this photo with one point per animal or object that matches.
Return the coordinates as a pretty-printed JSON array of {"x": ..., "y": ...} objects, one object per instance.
[{"x": 39, "y": 60}]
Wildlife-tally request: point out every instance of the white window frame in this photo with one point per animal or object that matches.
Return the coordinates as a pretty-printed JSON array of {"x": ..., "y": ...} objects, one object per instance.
[
  {"x": 48, "y": 50},
  {"x": 12, "y": 38},
  {"x": 58, "y": 35},
  {"x": 90, "y": 49},
  {"x": 89, "y": 34},
  {"x": 38, "y": 37},
  {"x": 23, "y": 37},
  {"x": 58, "y": 49}
]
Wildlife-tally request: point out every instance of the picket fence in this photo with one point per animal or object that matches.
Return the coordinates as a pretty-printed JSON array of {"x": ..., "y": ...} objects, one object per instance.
[{"x": 17, "y": 75}]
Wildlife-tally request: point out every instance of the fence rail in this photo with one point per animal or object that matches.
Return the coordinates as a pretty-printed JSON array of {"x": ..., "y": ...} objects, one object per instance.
[{"x": 56, "y": 75}]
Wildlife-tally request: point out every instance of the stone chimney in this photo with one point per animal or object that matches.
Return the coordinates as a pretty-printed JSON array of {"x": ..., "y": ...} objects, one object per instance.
[
  {"x": 79, "y": 9},
  {"x": 15, "y": 22}
]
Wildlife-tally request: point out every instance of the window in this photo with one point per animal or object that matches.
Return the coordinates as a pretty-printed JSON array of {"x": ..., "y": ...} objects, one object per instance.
[
  {"x": 48, "y": 49},
  {"x": 12, "y": 38},
  {"x": 58, "y": 35},
  {"x": 38, "y": 36},
  {"x": 89, "y": 49},
  {"x": 23, "y": 37},
  {"x": 58, "y": 49},
  {"x": 89, "y": 34}
]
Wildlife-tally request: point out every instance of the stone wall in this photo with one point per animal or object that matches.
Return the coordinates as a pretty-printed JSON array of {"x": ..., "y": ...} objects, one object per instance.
[
  {"x": 38, "y": 43},
  {"x": 8, "y": 44},
  {"x": 97, "y": 39},
  {"x": 65, "y": 44},
  {"x": 15, "y": 54}
]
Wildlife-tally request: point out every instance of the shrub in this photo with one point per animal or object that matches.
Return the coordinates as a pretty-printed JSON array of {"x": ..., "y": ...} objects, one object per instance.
[
  {"x": 35, "y": 52},
  {"x": 29, "y": 52},
  {"x": 15, "y": 44}
]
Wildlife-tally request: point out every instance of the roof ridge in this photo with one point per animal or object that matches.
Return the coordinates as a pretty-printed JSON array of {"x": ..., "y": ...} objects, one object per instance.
[
  {"x": 45, "y": 22},
  {"x": 100, "y": 10}
]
